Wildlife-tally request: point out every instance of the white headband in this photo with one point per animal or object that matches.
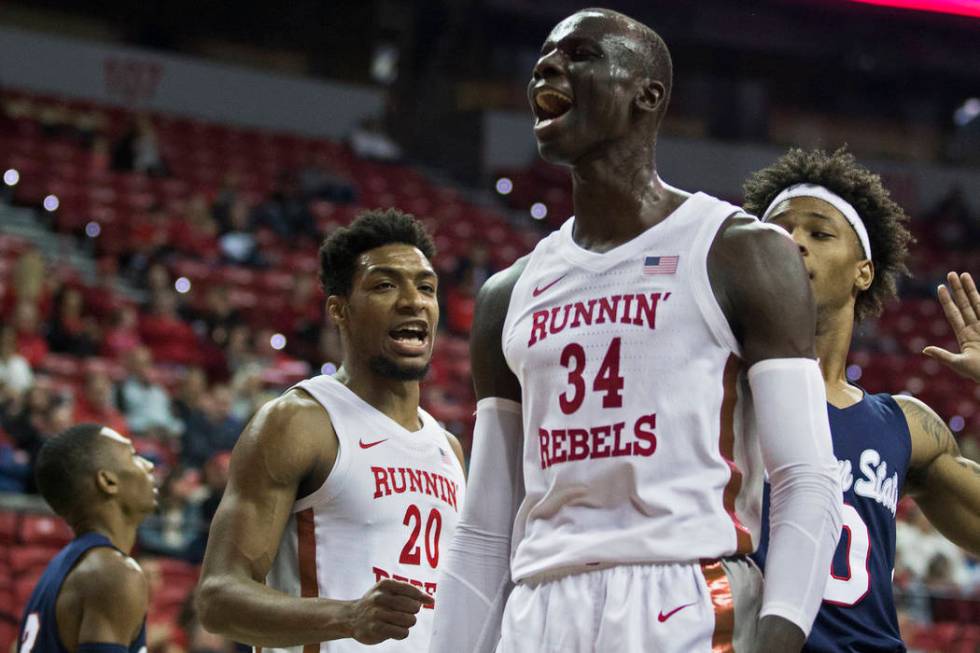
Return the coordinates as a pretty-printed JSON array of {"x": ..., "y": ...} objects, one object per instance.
[{"x": 835, "y": 200}]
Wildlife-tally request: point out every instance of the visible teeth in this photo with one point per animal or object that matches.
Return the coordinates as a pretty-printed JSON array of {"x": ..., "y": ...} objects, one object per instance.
[{"x": 552, "y": 102}]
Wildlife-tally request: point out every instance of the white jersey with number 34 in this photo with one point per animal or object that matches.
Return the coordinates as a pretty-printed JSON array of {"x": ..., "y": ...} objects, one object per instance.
[
  {"x": 638, "y": 443},
  {"x": 388, "y": 509}
]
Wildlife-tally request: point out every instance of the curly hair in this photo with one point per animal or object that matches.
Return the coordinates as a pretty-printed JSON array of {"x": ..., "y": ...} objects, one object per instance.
[
  {"x": 886, "y": 222},
  {"x": 339, "y": 252}
]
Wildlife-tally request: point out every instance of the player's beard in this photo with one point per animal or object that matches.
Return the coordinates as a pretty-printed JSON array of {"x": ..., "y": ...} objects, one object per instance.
[{"x": 389, "y": 369}]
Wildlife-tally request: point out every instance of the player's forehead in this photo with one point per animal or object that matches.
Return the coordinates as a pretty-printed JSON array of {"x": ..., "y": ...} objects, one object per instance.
[
  {"x": 594, "y": 25},
  {"x": 396, "y": 258},
  {"x": 807, "y": 209}
]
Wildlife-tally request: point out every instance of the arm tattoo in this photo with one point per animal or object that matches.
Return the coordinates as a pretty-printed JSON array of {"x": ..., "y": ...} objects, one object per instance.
[{"x": 932, "y": 425}]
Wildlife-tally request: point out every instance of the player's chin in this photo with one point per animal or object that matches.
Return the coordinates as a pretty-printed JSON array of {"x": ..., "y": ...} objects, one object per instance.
[{"x": 401, "y": 368}]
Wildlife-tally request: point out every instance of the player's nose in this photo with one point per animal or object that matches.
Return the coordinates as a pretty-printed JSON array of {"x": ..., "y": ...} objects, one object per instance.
[{"x": 549, "y": 65}]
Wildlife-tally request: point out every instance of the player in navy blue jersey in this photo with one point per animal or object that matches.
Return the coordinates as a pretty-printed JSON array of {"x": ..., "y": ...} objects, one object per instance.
[
  {"x": 853, "y": 239},
  {"x": 92, "y": 597}
]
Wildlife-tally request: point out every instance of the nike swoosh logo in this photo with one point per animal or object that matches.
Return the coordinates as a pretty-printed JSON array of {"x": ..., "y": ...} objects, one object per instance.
[
  {"x": 664, "y": 617},
  {"x": 368, "y": 445},
  {"x": 538, "y": 291}
]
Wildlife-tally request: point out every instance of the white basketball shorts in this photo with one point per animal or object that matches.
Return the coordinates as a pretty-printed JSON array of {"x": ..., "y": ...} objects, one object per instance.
[{"x": 707, "y": 607}]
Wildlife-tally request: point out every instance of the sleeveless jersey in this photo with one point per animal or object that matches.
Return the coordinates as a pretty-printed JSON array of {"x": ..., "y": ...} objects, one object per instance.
[
  {"x": 638, "y": 446},
  {"x": 388, "y": 509},
  {"x": 39, "y": 627},
  {"x": 872, "y": 445}
]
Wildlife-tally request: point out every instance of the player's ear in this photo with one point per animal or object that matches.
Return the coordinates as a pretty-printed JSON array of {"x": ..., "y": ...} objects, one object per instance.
[
  {"x": 337, "y": 309},
  {"x": 865, "y": 275},
  {"x": 651, "y": 95},
  {"x": 107, "y": 482}
]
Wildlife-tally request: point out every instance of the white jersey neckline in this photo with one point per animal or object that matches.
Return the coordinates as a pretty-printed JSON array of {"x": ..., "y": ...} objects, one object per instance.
[{"x": 601, "y": 261}]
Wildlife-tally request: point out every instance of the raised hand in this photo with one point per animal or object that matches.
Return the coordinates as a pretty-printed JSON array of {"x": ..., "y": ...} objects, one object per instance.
[
  {"x": 386, "y": 611},
  {"x": 961, "y": 304}
]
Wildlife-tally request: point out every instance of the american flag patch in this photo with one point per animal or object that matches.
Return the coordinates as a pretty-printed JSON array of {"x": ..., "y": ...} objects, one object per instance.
[{"x": 660, "y": 264}]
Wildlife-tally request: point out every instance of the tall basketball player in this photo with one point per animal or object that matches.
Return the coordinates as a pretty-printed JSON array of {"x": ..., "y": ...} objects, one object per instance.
[
  {"x": 343, "y": 493},
  {"x": 853, "y": 240},
  {"x": 92, "y": 597},
  {"x": 633, "y": 373}
]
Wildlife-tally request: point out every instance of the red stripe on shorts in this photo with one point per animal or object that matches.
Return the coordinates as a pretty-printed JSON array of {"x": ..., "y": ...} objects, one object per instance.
[
  {"x": 723, "y": 604},
  {"x": 306, "y": 547},
  {"x": 726, "y": 445}
]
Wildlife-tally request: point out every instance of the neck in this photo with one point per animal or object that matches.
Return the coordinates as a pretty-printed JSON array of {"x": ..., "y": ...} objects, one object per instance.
[
  {"x": 618, "y": 196},
  {"x": 832, "y": 344},
  {"x": 112, "y": 523},
  {"x": 399, "y": 400}
]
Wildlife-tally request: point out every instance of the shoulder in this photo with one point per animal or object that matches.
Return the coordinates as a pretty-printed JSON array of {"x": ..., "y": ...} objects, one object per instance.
[
  {"x": 492, "y": 303},
  {"x": 927, "y": 429},
  {"x": 108, "y": 580},
  {"x": 742, "y": 236},
  {"x": 285, "y": 436},
  {"x": 491, "y": 376},
  {"x": 495, "y": 293}
]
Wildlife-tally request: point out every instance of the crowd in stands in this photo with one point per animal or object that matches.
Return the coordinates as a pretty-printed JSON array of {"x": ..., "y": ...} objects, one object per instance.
[{"x": 204, "y": 304}]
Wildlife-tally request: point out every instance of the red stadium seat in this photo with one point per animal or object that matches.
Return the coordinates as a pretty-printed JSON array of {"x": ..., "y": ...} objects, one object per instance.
[
  {"x": 29, "y": 560},
  {"x": 44, "y": 530},
  {"x": 8, "y": 527}
]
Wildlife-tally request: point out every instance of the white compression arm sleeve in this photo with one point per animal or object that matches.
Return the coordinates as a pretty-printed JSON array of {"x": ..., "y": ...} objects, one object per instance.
[
  {"x": 806, "y": 498},
  {"x": 474, "y": 580}
]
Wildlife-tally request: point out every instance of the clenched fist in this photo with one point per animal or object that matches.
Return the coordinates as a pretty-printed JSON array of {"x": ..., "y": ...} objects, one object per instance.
[{"x": 386, "y": 611}]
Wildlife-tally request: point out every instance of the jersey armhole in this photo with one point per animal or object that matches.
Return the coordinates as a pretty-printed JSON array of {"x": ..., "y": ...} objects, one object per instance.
[
  {"x": 336, "y": 479},
  {"x": 704, "y": 296}
]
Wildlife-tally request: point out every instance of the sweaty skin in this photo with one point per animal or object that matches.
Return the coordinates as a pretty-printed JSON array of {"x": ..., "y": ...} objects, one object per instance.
[
  {"x": 944, "y": 483},
  {"x": 608, "y": 139},
  {"x": 288, "y": 450}
]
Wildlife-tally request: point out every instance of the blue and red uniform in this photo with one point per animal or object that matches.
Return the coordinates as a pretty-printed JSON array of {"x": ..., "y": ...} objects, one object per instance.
[
  {"x": 39, "y": 626},
  {"x": 872, "y": 445}
]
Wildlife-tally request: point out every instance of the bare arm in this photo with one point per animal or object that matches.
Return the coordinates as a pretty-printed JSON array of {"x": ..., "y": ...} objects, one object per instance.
[
  {"x": 279, "y": 448},
  {"x": 944, "y": 484},
  {"x": 761, "y": 284},
  {"x": 475, "y": 580},
  {"x": 113, "y": 597},
  {"x": 961, "y": 304}
]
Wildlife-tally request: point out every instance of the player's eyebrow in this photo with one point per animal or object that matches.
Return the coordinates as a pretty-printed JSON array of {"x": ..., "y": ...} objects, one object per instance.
[{"x": 398, "y": 272}]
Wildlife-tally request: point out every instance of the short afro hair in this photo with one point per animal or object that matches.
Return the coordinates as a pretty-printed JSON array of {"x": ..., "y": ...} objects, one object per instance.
[
  {"x": 339, "y": 252},
  {"x": 64, "y": 464},
  {"x": 886, "y": 222}
]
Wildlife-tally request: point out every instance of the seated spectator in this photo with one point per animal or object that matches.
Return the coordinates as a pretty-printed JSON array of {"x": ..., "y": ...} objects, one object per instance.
[
  {"x": 170, "y": 339},
  {"x": 174, "y": 530},
  {"x": 219, "y": 430},
  {"x": 101, "y": 298},
  {"x": 97, "y": 404},
  {"x": 217, "y": 317},
  {"x": 30, "y": 343},
  {"x": 227, "y": 195},
  {"x": 368, "y": 140},
  {"x": 321, "y": 179},
  {"x": 38, "y": 415},
  {"x": 249, "y": 392},
  {"x": 145, "y": 403},
  {"x": 15, "y": 469},
  {"x": 123, "y": 335},
  {"x": 197, "y": 233},
  {"x": 139, "y": 150},
  {"x": 16, "y": 376},
  {"x": 71, "y": 331},
  {"x": 286, "y": 211},
  {"x": 239, "y": 349},
  {"x": 239, "y": 245}
]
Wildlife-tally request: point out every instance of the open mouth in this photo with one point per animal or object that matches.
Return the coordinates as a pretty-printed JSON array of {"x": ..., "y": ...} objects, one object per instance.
[
  {"x": 410, "y": 339},
  {"x": 550, "y": 104}
]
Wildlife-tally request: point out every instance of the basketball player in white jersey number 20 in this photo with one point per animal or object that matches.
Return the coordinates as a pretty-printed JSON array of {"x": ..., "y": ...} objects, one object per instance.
[
  {"x": 635, "y": 375},
  {"x": 343, "y": 493}
]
